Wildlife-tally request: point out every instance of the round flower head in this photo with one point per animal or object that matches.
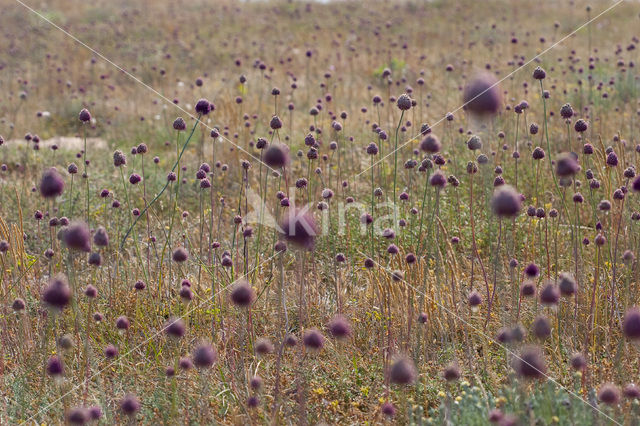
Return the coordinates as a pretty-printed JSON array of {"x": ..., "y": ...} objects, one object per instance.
[
  {"x": 474, "y": 143},
  {"x": 474, "y": 299},
  {"x": 179, "y": 124},
  {"x": 609, "y": 394},
  {"x": 549, "y": 295},
  {"x": 84, "y": 115},
  {"x": 566, "y": 111},
  {"x": 180, "y": 255},
  {"x": 482, "y": 96},
  {"x": 567, "y": 284},
  {"x": 18, "y": 305},
  {"x": 631, "y": 324},
  {"x": 388, "y": 409},
  {"x": 110, "y": 351},
  {"x": 402, "y": 372},
  {"x": 580, "y": 126},
  {"x": 130, "y": 405},
  {"x": 506, "y": 202},
  {"x": 438, "y": 179},
  {"x": 430, "y": 143},
  {"x": 175, "y": 327},
  {"x": 299, "y": 228},
  {"x": 100, "y": 238},
  {"x": 404, "y": 102},
  {"x": 631, "y": 391},
  {"x": 263, "y": 346},
  {"x": 119, "y": 159},
  {"x": 242, "y": 294},
  {"x": 95, "y": 412},
  {"x": 123, "y": 323},
  {"x": 276, "y": 156},
  {"x": 339, "y": 327},
  {"x": 204, "y": 107},
  {"x": 57, "y": 293},
  {"x": 313, "y": 339},
  {"x": 539, "y": 73},
  {"x": 275, "y": 123},
  {"x": 55, "y": 367},
  {"x": 578, "y": 362},
  {"x": 530, "y": 364},
  {"x": 204, "y": 356},
  {"x": 51, "y": 183},
  {"x": 451, "y": 372},
  {"x": 541, "y": 327},
  {"x": 77, "y": 237},
  {"x": 78, "y": 416}
]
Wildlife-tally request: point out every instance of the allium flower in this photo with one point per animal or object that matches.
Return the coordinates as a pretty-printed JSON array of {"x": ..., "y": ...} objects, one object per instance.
[
  {"x": 631, "y": 324},
  {"x": 100, "y": 238},
  {"x": 506, "y": 201},
  {"x": 263, "y": 346},
  {"x": 549, "y": 295},
  {"x": 119, "y": 159},
  {"x": 55, "y": 367},
  {"x": 403, "y": 372},
  {"x": 404, "y": 102},
  {"x": 313, "y": 339},
  {"x": 299, "y": 228},
  {"x": 130, "y": 405},
  {"x": 242, "y": 294},
  {"x": 57, "y": 294},
  {"x": 276, "y": 156},
  {"x": 566, "y": 166},
  {"x": 179, "y": 124},
  {"x": 77, "y": 237},
  {"x": 204, "y": 356},
  {"x": 388, "y": 409},
  {"x": 566, "y": 111},
  {"x": 609, "y": 394},
  {"x": 451, "y": 372},
  {"x": 339, "y": 327},
  {"x": 275, "y": 123},
  {"x": 204, "y": 107},
  {"x": 175, "y": 327},
  {"x": 51, "y": 183},
  {"x": 180, "y": 255},
  {"x": 539, "y": 73},
  {"x": 530, "y": 364},
  {"x": 84, "y": 115},
  {"x": 482, "y": 96},
  {"x": 430, "y": 143},
  {"x": 580, "y": 126}
]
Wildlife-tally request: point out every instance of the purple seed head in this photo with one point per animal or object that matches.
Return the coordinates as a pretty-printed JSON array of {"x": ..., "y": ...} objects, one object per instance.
[
  {"x": 242, "y": 294},
  {"x": 51, "y": 183},
  {"x": 204, "y": 356},
  {"x": 57, "y": 293},
  {"x": 482, "y": 96},
  {"x": 402, "y": 372},
  {"x": 313, "y": 339}
]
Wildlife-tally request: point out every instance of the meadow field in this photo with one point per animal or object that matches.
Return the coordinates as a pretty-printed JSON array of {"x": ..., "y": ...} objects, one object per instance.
[{"x": 343, "y": 212}]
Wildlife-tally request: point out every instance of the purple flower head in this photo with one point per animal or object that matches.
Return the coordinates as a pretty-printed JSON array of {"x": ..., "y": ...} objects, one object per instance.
[
  {"x": 313, "y": 339},
  {"x": 51, "y": 183},
  {"x": 204, "y": 107},
  {"x": 506, "y": 202},
  {"x": 482, "y": 96},
  {"x": 299, "y": 228},
  {"x": 242, "y": 294},
  {"x": 276, "y": 156},
  {"x": 402, "y": 372},
  {"x": 204, "y": 356},
  {"x": 77, "y": 237},
  {"x": 84, "y": 115}
]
